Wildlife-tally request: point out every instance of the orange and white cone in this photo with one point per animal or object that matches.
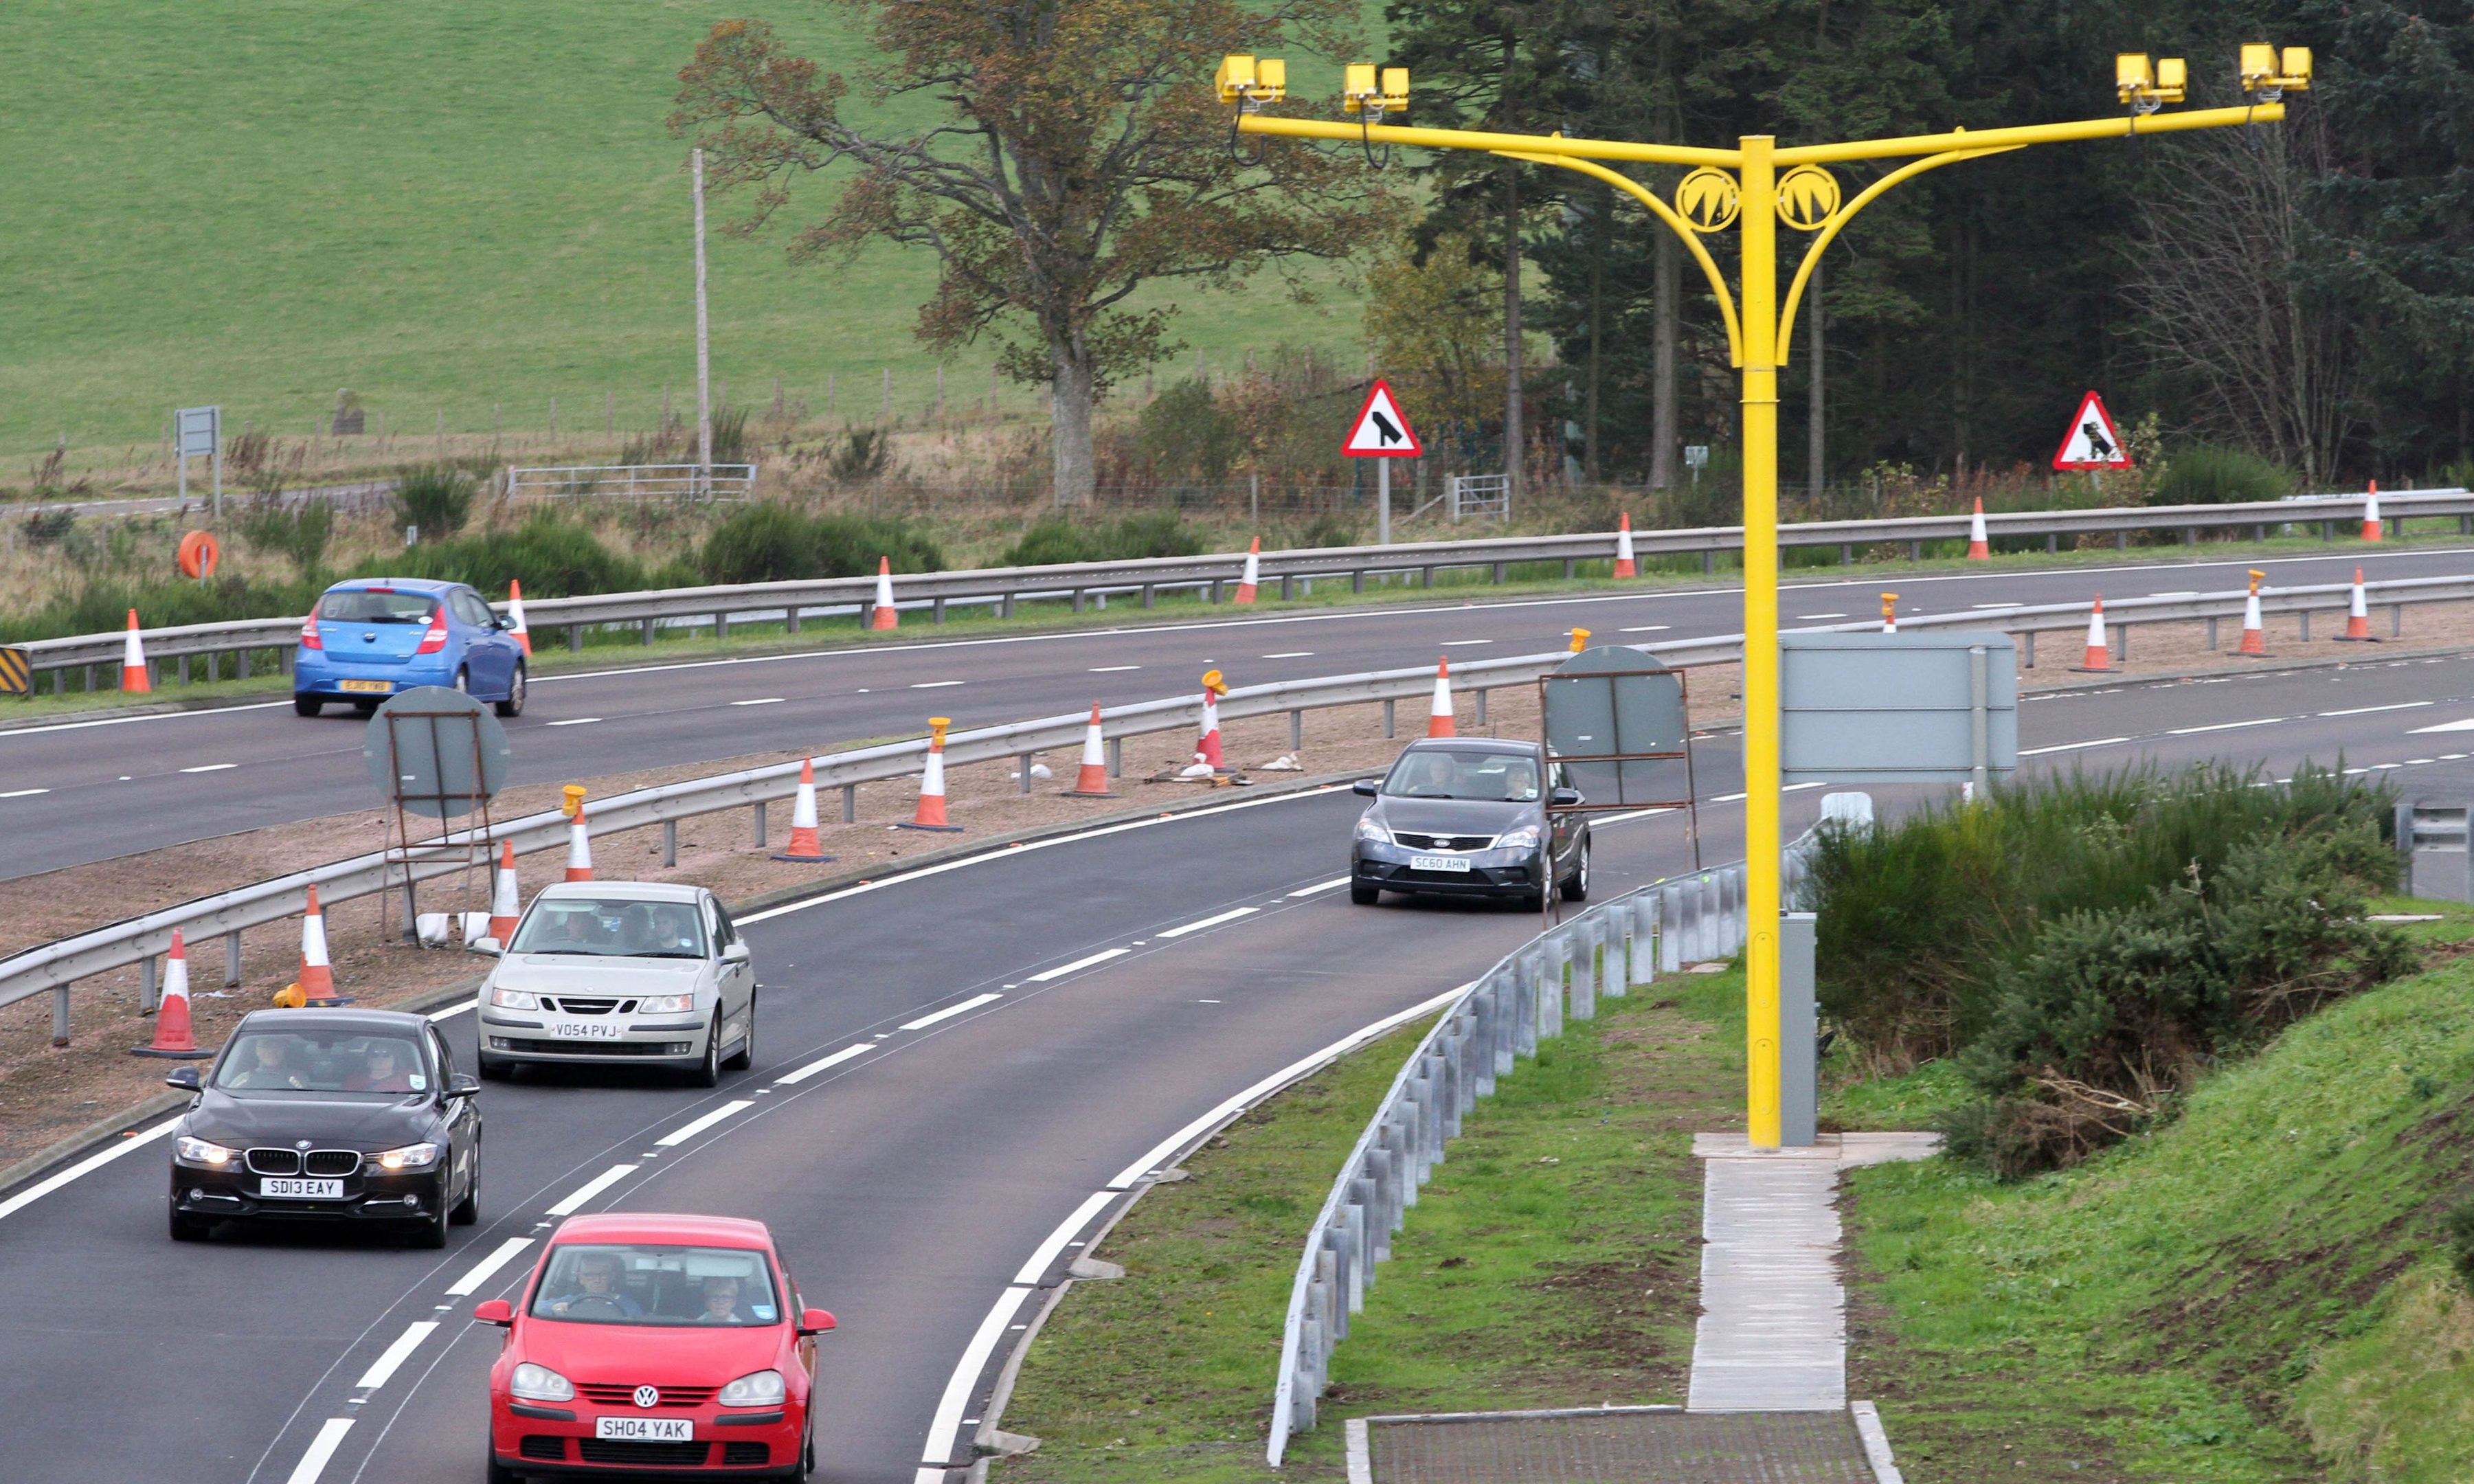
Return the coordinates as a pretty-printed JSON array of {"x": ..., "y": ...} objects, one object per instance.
[
  {"x": 2099, "y": 654},
  {"x": 522, "y": 632},
  {"x": 804, "y": 848},
  {"x": 503, "y": 895},
  {"x": 884, "y": 615},
  {"x": 931, "y": 815},
  {"x": 1889, "y": 613},
  {"x": 317, "y": 979},
  {"x": 2254, "y": 640},
  {"x": 579, "y": 837},
  {"x": 1439, "y": 714},
  {"x": 1206, "y": 747},
  {"x": 2358, "y": 616},
  {"x": 2371, "y": 513},
  {"x": 1625, "y": 566},
  {"x": 1253, "y": 576},
  {"x": 134, "y": 680},
  {"x": 1979, "y": 548},
  {"x": 173, "y": 1036},
  {"x": 1092, "y": 782}
]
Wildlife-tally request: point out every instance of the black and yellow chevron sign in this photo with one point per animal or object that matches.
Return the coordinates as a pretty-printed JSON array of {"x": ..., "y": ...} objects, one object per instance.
[{"x": 17, "y": 673}]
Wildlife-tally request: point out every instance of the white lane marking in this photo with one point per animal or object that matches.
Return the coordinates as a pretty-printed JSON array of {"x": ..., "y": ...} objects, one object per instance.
[
  {"x": 576, "y": 721},
  {"x": 1046, "y": 1252},
  {"x": 176, "y": 716},
  {"x": 822, "y": 1062},
  {"x": 1998, "y": 605},
  {"x": 2420, "y": 762},
  {"x": 1119, "y": 670},
  {"x": 948, "y": 1418},
  {"x": 693, "y": 1127},
  {"x": 83, "y": 1167},
  {"x": 762, "y": 700},
  {"x": 951, "y": 1011},
  {"x": 2365, "y": 711},
  {"x": 1291, "y": 654},
  {"x": 1627, "y": 818},
  {"x": 479, "y": 1273},
  {"x": 2101, "y": 741},
  {"x": 322, "y": 1448},
  {"x": 2467, "y": 726},
  {"x": 451, "y": 1011},
  {"x": 1454, "y": 643},
  {"x": 934, "y": 685},
  {"x": 2222, "y": 726},
  {"x": 396, "y": 1354},
  {"x": 1063, "y": 970},
  {"x": 1230, "y": 915},
  {"x": 1320, "y": 886},
  {"x": 210, "y": 768},
  {"x": 23, "y": 794},
  {"x": 1646, "y": 628},
  {"x": 1802, "y": 618},
  {"x": 591, "y": 1188}
]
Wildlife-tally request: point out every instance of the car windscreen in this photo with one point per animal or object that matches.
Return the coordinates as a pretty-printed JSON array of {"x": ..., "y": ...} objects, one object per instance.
[
  {"x": 338, "y": 1061},
  {"x": 632, "y": 1284},
  {"x": 611, "y": 928},
  {"x": 361, "y": 605},
  {"x": 1434, "y": 774}
]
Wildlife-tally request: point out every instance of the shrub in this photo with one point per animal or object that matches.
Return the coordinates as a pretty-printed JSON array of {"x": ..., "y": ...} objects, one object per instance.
[
  {"x": 861, "y": 457},
  {"x": 765, "y": 542},
  {"x": 299, "y": 532},
  {"x": 731, "y": 443},
  {"x": 551, "y": 556},
  {"x": 2459, "y": 1223},
  {"x": 1057, "y": 538},
  {"x": 2205, "y": 475},
  {"x": 437, "y": 499},
  {"x": 1189, "y": 437},
  {"x": 1331, "y": 529}
]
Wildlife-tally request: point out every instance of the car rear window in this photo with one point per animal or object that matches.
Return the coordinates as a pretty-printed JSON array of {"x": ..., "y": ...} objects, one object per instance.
[
  {"x": 360, "y": 605},
  {"x": 611, "y": 928},
  {"x": 633, "y": 1283}
]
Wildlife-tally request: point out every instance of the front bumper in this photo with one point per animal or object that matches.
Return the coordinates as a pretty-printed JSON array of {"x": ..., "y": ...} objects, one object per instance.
[
  {"x": 557, "y": 1439},
  {"x": 521, "y": 1036},
  {"x": 1491, "y": 873},
  {"x": 369, "y": 1196}
]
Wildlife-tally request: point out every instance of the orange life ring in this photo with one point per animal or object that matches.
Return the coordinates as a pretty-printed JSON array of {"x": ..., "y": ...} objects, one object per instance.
[{"x": 199, "y": 554}]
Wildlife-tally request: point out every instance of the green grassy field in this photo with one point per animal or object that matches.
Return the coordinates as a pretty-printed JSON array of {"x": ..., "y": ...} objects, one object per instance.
[{"x": 458, "y": 208}]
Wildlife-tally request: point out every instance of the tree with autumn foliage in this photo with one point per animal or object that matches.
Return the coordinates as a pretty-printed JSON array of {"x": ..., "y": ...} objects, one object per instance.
[{"x": 1079, "y": 153}]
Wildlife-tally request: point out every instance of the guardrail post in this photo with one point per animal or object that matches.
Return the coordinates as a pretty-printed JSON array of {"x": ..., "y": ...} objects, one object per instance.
[
  {"x": 149, "y": 995},
  {"x": 1585, "y": 970},
  {"x": 1023, "y": 763},
  {"x": 1297, "y": 731},
  {"x": 759, "y": 810},
  {"x": 2396, "y": 620},
  {"x": 1305, "y": 1389},
  {"x": 1288, "y": 587},
  {"x": 2306, "y": 626},
  {"x": 1076, "y": 599},
  {"x": 1382, "y": 1168},
  {"x": 936, "y": 611},
  {"x": 850, "y": 803},
  {"x": 241, "y": 665},
  {"x": 1352, "y": 1241},
  {"x": 1480, "y": 722},
  {"x": 1116, "y": 756},
  {"x": 1388, "y": 709},
  {"x": 1671, "y": 930},
  {"x": 61, "y": 1016},
  {"x": 1529, "y": 980},
  {"x": 1333, "y": 1306},
  {"x": 1550, "y": 990},
  {"x": 2122, "y": 540},
  {"x": 1150, "y": 594},
  {"x": 2212, "y": 634},
  {"x": 1709, "y": 561},
  {"x": 1412, "y": 1148},
  {"x": 790, "y": 619},
  {"x": 644, "y": 628},
  {"x": 576, "y": 639},
  {"x": 1356, "y": 584},
  {"x": 1643, "y": 964},
  {"x": 231, "y": 959},
  {"x": 670, "y": 843},
  {"x": 721, "y": 626}
]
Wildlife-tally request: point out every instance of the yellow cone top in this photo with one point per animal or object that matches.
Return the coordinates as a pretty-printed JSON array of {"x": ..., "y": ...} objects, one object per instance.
[
  {"x": 1580, "y": 640},
  {"x": 571, "y": 804},
  {"x": 1212, "y": 683}
]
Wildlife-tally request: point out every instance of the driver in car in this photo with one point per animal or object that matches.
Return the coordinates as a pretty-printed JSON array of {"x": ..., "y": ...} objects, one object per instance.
[
  {"x": 596, "y": 1279},
  {"x": 1432, "y": 777},
  {"x": 379, "y": 1072},
  {"x": 270, "y": 1067}
]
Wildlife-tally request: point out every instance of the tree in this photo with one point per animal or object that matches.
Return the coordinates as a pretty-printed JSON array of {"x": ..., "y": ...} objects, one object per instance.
[
  {"x": 1080, "y": 153},
  {"x": 1433, "y": 324}
]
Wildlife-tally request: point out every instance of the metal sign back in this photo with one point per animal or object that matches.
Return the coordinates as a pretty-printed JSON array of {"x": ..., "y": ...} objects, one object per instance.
[
  {"x": 1614, "y": 718},
  {"x": 1939, "y": 707},
  {"x": 435, "y": 751}
]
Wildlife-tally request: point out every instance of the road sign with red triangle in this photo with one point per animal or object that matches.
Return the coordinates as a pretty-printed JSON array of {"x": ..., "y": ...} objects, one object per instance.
[
  {"x": 2092, "y": 442},
  {"x": 1381, "y": 429}
]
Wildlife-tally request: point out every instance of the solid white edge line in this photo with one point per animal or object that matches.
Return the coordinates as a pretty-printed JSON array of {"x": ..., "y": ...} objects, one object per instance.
[
  {"x": 822, "y": 1062},
  {"x": 210, "y": 768},
  {"x": 1320, "y": 886},
  {"x": 762, "y": 700},
  {"x": 693, "y": 1127},
  {"x": 322, "y": 1448},
  {"x": 1230, "y": 915},
  {"x": 591, "y": 1188},
  {"x": 2365, "y": 711},
  {"x": 83, "y": 1167},
  {"x": 1063, "y": 970},
  {"x": 573, "y": 721},
  {"x": 2222, "y": 726},
  {"x": 2101, "y": 741},
  {"x": 951, "y": 1011},
  {"x": 382, "y": 1369},
  {"x": 23, "y": 794},
  {"x": 948, "y": 1418},
  {"x": 167, "y": 715},
  {"x": 1046, "y": 1251},
  {"x": 452, "y": 1010},
  {"x": 481, "y": 1272}
]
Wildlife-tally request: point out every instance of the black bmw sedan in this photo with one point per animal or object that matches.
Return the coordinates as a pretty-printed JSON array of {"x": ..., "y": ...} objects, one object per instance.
[
  {"x": 1467, "y": 817},
  {"x": 333, "y": 1114}
]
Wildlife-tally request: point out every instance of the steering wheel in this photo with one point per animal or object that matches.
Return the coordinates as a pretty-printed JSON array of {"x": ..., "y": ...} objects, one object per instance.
[{"x": 594, "y": 1306}]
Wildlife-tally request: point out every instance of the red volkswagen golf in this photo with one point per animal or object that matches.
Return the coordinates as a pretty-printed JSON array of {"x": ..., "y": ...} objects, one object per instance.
[{"x": 663, "y": 1345}]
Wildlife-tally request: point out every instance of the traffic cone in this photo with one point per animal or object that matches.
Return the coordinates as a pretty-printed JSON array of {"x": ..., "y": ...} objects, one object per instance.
[
  {"x": 1889, "y": 613},
  {"x": 1580, "y": 640},
  {"x": 503, "y": 895},
  {"x": 2099, "y": 655},
  {"x": 1439, "y": 715},
  {"x": 173, "y": 1037},
  {"x": 2370, "y": 519},
  {"x": 1206, "y": 748},
  {"x": 2358, "y": 617},
  {"x": 1625, "y": 566},
  {"x": 522, "y": 632},
  {"x": 2254, "y": 640},
  {"x": 579, "y": 835},
  {"x": 1978, "y": 548},
  {"x": 133, "y": 679},
  {"x": 1092, "y": 782},
  {"x": 804, "y": 848},
  {"x": 884, "y": 615},
  {"x": 932, "y": 783},
  {"x": 1253, "y": 572},
  {"x": 317, "y": 980}
]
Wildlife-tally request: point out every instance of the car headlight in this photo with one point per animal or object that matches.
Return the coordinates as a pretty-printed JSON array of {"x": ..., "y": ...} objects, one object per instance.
[
  {"x": 1524, "y": 838},
  {"x": 666, "y": 1004},
  {"x": 195, "y": 1151},
  {"x": 1368, "y": 829},
  {"x": 540, "y": 1383},
  {"x": 763, "y": 1388},
  {"x": 513, "y": 999},
  {"x": 411, "y": 1156}
]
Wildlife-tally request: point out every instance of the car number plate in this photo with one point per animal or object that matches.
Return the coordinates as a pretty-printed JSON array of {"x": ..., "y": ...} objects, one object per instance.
[
  {"x": 586, "y": 1029},
  {"x": 1438, "y": 863},
  {"x": 300, "y": 1189},
  {"x": 645, "y": 1429},
  {"x": 382, "y": 686}
]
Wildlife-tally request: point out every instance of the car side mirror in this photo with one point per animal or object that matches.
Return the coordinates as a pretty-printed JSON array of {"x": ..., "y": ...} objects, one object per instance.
[
  {"x": 1369, "y": 787},
  {"x": 463, "y": 1084},
  {"x": 184, "y": 1077},
  {"x": 1562, "y": 796},
  {"x": 814, "y": 1321},
  {"x": 734, "y": 952},
  {"x": 495, "y": 1311},
  {"x": 487, "y": 947}
]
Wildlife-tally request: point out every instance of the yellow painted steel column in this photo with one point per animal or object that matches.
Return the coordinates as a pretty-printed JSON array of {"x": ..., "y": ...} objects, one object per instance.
[{"x": 1758, "y": 229}]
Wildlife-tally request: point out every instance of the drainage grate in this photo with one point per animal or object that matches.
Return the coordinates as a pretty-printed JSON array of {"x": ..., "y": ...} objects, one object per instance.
[{"x": 1663, "y": 1446}]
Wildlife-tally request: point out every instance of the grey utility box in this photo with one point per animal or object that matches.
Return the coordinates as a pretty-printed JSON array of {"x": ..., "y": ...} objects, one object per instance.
[
  {"x": 1932, "y": 707},
  {"x": 2432, "y": 839},
  {"x": 1799, "y": 1026}
]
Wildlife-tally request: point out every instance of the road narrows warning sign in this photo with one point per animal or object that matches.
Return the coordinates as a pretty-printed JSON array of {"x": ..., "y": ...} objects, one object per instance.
[
  {"x": 1381, "y": 429},
  {"x": 2092, "y": 442}
]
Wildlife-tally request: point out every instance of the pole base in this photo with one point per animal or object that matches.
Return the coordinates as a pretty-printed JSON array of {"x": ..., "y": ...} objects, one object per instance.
[
  {"x": 818, "y": 860},
  {"x": 1077, "y": 793},
  {"x": 170, "y": 1055},
  {"x": 2357, "y": 639},
  {"x": 938, "y": 829},
  {"x": 2089, "y": 669}
]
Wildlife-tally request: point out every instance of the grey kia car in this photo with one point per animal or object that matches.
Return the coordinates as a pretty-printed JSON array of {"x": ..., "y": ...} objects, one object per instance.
[{"x": 1467, "y": 817}]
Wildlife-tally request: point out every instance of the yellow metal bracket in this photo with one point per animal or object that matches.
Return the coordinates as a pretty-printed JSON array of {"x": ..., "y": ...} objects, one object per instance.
[
  {"x": 1658, "y": 209},
  {"x": 1839, "y": 218}
]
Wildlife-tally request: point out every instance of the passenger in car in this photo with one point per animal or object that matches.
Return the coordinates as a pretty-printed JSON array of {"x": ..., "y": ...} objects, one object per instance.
[
  {"x": 380, "y": 1071},
  {"x": 720, "y": 1303}
]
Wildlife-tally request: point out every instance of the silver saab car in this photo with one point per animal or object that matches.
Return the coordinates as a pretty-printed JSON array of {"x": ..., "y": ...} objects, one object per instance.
[
  {"x": 621, "y": 973},
  {"x": 1467, "y": 817}
]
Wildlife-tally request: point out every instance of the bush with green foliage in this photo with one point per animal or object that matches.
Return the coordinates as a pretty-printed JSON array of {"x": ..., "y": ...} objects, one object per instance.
[
  {"x": 2205, "y": 475},
  {"x": 1189, "y": 437},
  {"x": 435, "y": 499},
  {"x": 1059, "y": 539},
  {"x": 554, "y": 557},
  {"x": 766, "y": 541},
  {"x": 299, "y": 532},
  {"x": 2460, "y": 1227}
]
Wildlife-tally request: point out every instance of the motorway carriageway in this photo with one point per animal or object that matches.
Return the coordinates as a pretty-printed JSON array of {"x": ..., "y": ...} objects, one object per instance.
[
  {"x": 78, "y": 790},
  {"x": 960, "y": 1074}
]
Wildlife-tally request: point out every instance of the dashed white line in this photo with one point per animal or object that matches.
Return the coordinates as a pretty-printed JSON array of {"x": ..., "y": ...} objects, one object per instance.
[
  {"x": 2365, "y": 711},
  {"x": 23, "y": 794},
  {"x": 576, "y": 721},
  {"x": 934, "y": 685},
  {"x": 591, "y": 1188},
  {"x": 696, "y": 1125},
  {"x": 2101, "y": 741},
  {"x": 1036, "y": 1268},
  {"x": 1454, "y": 643},
  {"x": 1320, "y": 886},
  {"x": 210, "y": 768},
  {"x": 951, "y": 1011},
  {"x": 1230, "y": 915},
  {"x": 479, "y": 1273},
  {"x": 1291, "y": 654},
  {"x": 396, "y": 1354},
  {"x": 1646, "y": 628},
  {"x": 1118, "y": 670},
  {"x": 322, "y": 1448},
  {"x": 1806, "y": 618},
  {"x": 450, "y": 1011},
  {"x": 762, "y": 700},
  {"x": 822, "y": 1062},
  {"x": 2222, "y": 726},
  {"x": 1063, "y": 970}
]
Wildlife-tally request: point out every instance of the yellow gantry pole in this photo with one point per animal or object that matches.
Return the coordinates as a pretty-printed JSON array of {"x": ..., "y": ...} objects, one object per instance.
[{"x": 1757, "y": 229}]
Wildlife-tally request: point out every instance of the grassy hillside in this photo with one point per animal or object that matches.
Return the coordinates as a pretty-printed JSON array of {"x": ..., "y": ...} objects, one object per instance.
[{"x": 460, "y": 207}]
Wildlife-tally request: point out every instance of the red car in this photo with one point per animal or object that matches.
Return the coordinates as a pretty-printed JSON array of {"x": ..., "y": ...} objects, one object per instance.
[{"x": 661, "y": 1344}]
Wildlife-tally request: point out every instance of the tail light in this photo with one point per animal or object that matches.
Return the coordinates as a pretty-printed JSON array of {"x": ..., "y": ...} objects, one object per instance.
[
  {"x": 309, "y": 639},
  {"x": 436, "y": 639}
]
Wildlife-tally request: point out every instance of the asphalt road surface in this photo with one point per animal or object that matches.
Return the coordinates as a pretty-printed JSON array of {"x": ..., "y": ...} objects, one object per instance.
[{"x": 73, "y": 791}]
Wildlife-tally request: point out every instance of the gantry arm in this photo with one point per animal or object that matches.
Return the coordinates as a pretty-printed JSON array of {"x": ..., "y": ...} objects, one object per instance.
[
  {"x": 1839, "y": 218},
  {"x": 1664, "y": 213},
  {"x": 1473, "y": 140}
]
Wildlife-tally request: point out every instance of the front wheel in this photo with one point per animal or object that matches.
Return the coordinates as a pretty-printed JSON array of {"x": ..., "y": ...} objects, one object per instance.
[
  {"x": 187, "y": 1228},
  {"x": 1576, "y": 887},
  {"x": 494, "y": 1070},
  {"x": 469, "y": 1210},
  {"x": 432, "y": 1233},
  {"x": 306, "y": 705},
  {"x": 514, "y": 705},
  {"x": 707, "y": 1073},
  {"x": 492, "y": 1471},
  {"x": 1365, "y": 893}
]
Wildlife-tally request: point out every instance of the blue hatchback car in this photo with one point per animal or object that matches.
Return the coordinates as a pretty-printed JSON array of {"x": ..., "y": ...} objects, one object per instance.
[{"x": 372, "y": 637}]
